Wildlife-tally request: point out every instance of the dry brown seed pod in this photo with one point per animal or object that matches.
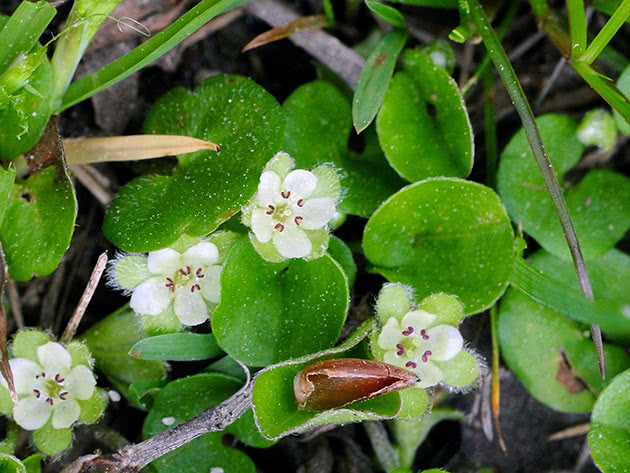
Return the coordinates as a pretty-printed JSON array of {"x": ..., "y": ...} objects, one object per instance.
[{"x": 334, "y": 383}]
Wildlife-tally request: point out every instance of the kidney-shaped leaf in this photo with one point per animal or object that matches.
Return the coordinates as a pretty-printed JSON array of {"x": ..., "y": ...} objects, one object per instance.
[
  {"x": 270, "y": 312},
  {"x": 319, "y": 121},
  {"x": 609, "y": 435},
  {"x": 600, "y": 217},
  {"x": 205, "y": 188},
  {"x": 423, "y": 125},
  {"x": 444, "y": 235},
  {"x": 275, "y": 406}
]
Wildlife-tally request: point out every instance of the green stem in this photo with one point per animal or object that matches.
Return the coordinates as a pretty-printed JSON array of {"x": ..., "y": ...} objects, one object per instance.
[
  {"x": 513, "y": 86},
  {"x": 577, "y": 22},
  {"x": 385, "y": 453},
  {"x": 540, "y": 7},
  {"x": 496, "y": 382},
  {"x": 602, "y": 39},
  {"x": 490, "y": 128}
]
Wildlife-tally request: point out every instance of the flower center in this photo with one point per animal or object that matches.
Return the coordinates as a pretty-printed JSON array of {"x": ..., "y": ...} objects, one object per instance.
[
  {"x": 185, "y": 277},
  {"x": 284, "y": 212},
  {"x": 411, "y": 346},
  {"x": 50, "y": 389}
]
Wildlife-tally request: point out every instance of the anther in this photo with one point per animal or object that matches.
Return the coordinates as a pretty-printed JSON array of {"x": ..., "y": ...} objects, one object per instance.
[
  {"x": 195, "y": 287},
  {"x": 185, "y": 271},
  {"x": 285, "y": 194},
  {"x": 300, "y": 203},
  {"x": 298, "y": 220},
  {"x": 401, "y": 349},
  {"x": 199, "y": 273},
  {"x": 63, "y": 395},
  {"x": 50, "y": 401},
  {"x": 37, "y": 393},
  {"x": 408, "y": 332},
  {"x": 270, "y": 210},
  {"x": 279, "y": 227},
  {"x": 424, "y": 334},
  {"x": 426, "y": 355},
  {"x": 411, "y": 364},
  {"x": 59, "y": 378},
  {"x": 170, "y": 284}
]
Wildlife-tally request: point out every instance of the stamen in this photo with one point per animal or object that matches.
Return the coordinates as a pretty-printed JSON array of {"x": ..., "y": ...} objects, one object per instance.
[
  {"x": 408, "y": 332},
  {"x": 285, "y": 194},
  {"x": 50, "y": 401},
  {"x": 401, "y": 349},
  {"x": 298, "y": 220},
  {"x": 185, "y": 271},
  {"x": 424, "y": 334},
  {"x": 37, "y": 393},
  {"x": 59, "y": 378},
  {"x": 300, "y": 203},
  {"x": 271, "y": 209},
  {"x": 426, "y": 355},
  {"x": 195, "y": 287},
  {"x": 199, "y": 273},
  {"x": 170, "y": 284},
  {"x": 279, "y": 227},
  {"x": 411, "y": 364},
  {"x": 63, "y": 395}
]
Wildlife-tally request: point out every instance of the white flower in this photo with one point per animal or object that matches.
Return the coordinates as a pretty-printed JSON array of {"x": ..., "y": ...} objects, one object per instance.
[
  {"x": 49, "y": 388},
  {"x": 187, "y": 280},
  {"x": 414, "y": 344}
]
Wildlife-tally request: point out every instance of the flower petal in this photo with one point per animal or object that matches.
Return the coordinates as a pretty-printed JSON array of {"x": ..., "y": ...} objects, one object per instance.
[
  {"x": 211, "y": 284},
  {"x": 429, "y": 374},
  {"x": 31, "y": 413},
  {"x": 390, "y": 335},
  {"x": 317, "y": 212},
  {"x": 80, "y": 383},
  {"x": 418, "y": 319},
  {"x": 54, "y": 358},
  {"x": 190, "y": 307},
  {"x": 65, "y": 413},
  {"x": 268, "y": 188},
  {"x": 300, "y": 183},
  {"x": 444, "y": 341},
  {"x": 292, "y": 242},
  {"x": 24, "y": 372},
  {"x": 151, "y": 297},
  {"x": 165, "y": 261},
  {"x": 203, "y": 254},
  {"x": 262, "y": 225}
]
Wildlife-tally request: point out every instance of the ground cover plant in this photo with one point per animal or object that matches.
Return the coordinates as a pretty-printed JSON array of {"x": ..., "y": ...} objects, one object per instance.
[{"x": 336, "y": 250}]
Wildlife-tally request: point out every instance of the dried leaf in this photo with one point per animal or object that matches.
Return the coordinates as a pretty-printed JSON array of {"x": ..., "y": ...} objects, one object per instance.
[{"x": 304, "y": 23}]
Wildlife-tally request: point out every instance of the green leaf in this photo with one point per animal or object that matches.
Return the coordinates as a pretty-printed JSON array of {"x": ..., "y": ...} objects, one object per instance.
[
  {"x": 51, "y": 441},
  {"x": 7, "y": 178},
  {"x": 389, "y": 14},
  {"x": 600, "y": 217},
  {"x": 22, "y": 30},
  {"x": 206, "y": 188},
  {"x": 110, "y": 341},
  {"x": 319, "y": 122},
  {"x": 557, "y": 287},
  {"x": 376, "y": 75},
  {"x": 270, "y": 312},
  {"x": 177, "y": 347},
  {"x": 146, "y": 53},
  {"x": 623, "y": 84},
  {"x": 10, "y": 464},
  {"x": 275, "y": 407},
  {"x": 444, "y": 235},
  {"x": 178, "y": 402},
  {"x": 441, "y": 54},
  {"x": 423, "y": 125},
  {"x": 343, "y": 255},
  {"x": 565, "y": 375},
  {"x": 92, "y": 408},
  {"x": 429, "y": 3},
  {"x": 33, "y": 463},
  {"x": 39, "y": 222},
  {"x": 142, "y": 393},
  {"x": 609, "y": 435}
]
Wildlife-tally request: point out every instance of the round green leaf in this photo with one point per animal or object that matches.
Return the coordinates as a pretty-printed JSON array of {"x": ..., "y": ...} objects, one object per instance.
[
  {"x": 270, "y": 312},
  {"x": 565, "y": 374},
  {"x": 10, "y": 464},
  {"x": 600, "y": 217},
  {"x": 343, "y": 255},
  {"x": 423, "y": 125},
  {"x": 319, "y": 121},
  {"x": 206, "y": 188},
  {"x": 609, "y": 435},
  {"x": 178, "y": 402},
  {"x": 38, "y": 223},
  {"x": 444, "y": 235},
  {"x": 51, "y": 441}
]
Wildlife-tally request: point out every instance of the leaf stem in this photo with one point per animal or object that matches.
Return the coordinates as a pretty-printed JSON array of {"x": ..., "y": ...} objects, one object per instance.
[
  {"x": 496, "y": 382},
  {"x": 577, "y": 23},
  {"x": 513, "y": 86},
  {"x": 609, "y": 30},
  {"x": 490, "y": 128}
]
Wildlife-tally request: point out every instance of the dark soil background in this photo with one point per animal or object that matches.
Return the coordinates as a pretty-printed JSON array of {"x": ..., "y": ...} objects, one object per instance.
[{"x": 281, "y": 67}]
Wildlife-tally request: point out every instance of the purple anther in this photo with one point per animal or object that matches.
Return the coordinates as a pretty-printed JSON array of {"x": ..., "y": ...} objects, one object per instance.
[
  {"x": 37, "y": 393},
  {"x": 279, "y": 227},
  {"x": 285, "y": 194},
  {"x": 270, "y": 209},
  {"x": 195, "y": 287},
  {"x": 411, "y": 364},
  {"x": 408, "y": 332},
  {"x": 185, "y": 271},
  {"x": 426, "y": 355},
  {"x": 50, "y": 401},
  {"x": 298, "y": 220},
  {"x": 424, "y": 334},
  {"x": 59, "y": 378},
  {"x": 199, "y": 273},
  {"x": 63, "y": 395},
  {"x": 401, "y": 349},
  {"x": 300, "y": 203}
]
